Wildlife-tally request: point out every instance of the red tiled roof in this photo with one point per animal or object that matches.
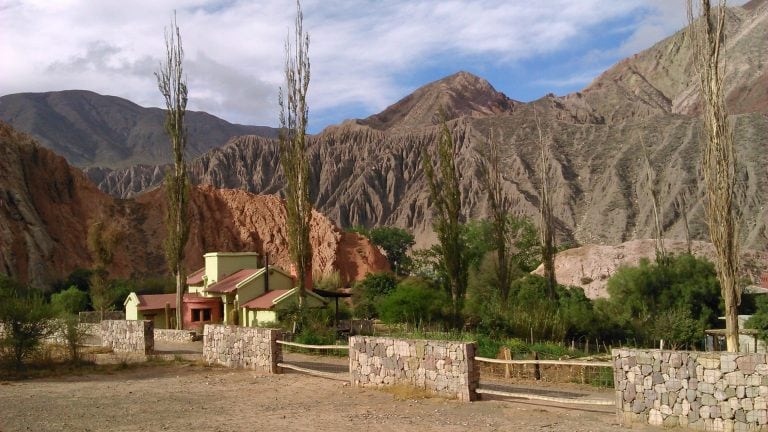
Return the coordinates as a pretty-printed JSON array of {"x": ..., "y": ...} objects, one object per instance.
[
  {"x": 229, "y": 283},
  {"x": 196, "y": 277},
  {"x": 157, "y": 301},
  {"x": 264, "y": 301}
]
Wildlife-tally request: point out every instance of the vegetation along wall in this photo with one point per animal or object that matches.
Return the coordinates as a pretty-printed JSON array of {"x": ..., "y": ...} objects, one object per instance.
[
  {"x": 242, "y": 347},
  {"x": 128, "y": 336},
  {"x": 443, "y": 367},
  {"x": 700, "y": 390}
]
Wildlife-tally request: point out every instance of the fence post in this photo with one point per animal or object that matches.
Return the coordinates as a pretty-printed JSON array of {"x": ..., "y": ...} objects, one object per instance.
[{"x": 507, "y": 356}]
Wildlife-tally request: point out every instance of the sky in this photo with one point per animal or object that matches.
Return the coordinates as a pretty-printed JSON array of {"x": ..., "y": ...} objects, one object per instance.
[{"x": 365, "y": 54}]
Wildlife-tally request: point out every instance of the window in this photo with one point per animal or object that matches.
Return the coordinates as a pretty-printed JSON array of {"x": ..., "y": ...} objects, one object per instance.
[{"x": 200, "y": 315}]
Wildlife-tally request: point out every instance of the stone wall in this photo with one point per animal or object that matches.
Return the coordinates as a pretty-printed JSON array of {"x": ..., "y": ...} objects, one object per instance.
[
  {"x": 700, "y": 390},
  {"x": 242, "y": 347},
  {"x": 87, "y": 331},
  {"x": 128, "y": 336},
  {"x": 168, "y": 335},
  {"x": 443, "y": 367}
]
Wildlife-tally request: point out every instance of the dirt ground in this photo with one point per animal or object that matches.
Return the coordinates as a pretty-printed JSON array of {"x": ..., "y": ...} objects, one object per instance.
[{"x": 186, "y": 397}]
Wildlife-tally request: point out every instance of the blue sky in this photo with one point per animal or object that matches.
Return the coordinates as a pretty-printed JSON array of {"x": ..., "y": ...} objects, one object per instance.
[{"x": 365, "y": 54}]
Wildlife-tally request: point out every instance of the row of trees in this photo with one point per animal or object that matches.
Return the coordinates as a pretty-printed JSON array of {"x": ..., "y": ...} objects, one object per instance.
[{"x": 674, "y": 300}]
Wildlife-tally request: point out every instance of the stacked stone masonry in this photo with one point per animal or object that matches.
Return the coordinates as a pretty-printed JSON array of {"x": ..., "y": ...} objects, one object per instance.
[
  {"x": 242, "y": 347},
  {"x": 86, "y": 331},
  {"x": 128, "y": 336},
  {"x": 698, "y": 390},
  {"x": 443, "y": 367},
  {"x": 179, "y": 336}
]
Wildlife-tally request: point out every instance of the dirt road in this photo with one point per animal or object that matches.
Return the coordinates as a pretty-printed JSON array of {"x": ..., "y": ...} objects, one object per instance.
[{"x": 177, "y": 397}]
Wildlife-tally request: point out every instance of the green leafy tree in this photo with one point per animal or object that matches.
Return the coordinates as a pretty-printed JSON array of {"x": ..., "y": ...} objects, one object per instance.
[
  {"x": 294, "y": 115},
  {"x": 103, "y": 238},
  {"x": 369, "y": 291},
  {"x": 759, "y": 319},
  {"x": 641, "y": 295},
  {"x": 26, "y": 319},
  {"x": 446, "y": 198},
  {"x": 395, "y": 242},
  {"x": 414, "y": 301},
  {"x": 70, "y": 301}
]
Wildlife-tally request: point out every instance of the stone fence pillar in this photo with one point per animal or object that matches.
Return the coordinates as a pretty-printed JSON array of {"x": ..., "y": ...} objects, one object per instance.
[
  {"x": 443, "y": 367},
  {"x": 242, "y": 347},
  {"x": 128, "y": 336}
]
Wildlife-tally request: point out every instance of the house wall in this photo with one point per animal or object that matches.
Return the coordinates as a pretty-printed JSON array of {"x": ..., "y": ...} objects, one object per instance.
[
  {"x": 242, "y": 347},
  {"x": 254, "y": 318},
  {"x": 264, "y": 316},
  {"x": 199, "y": 303},
  {"x": 128, "y": 336},
  {"x": 698, "y": 390},
  {"x": 157, "y": 316},
  {"x": 218, "y": 264},
  {"x": 250, "y": 290},
  {"x": 131, "y": 308},
  {"x": 279, "y": 281},
  {"x": 443, "y": 367}
]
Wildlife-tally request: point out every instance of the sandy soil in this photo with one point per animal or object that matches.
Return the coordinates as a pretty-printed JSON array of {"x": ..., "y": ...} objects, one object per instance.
[{"x": 178, "y": 397}]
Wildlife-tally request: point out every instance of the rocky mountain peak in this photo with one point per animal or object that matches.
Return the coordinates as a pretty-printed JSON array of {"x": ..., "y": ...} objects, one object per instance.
[{"x": 458, "y": 95}]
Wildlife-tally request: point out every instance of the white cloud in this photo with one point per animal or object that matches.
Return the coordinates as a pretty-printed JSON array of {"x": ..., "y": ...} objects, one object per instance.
[{"x": 360, "y": 49}]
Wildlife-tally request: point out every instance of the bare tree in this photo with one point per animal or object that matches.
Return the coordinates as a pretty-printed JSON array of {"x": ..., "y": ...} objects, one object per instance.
[
  {"x": 681, "y": 206},
  {"x": 500, "y": 205},
  {"x": 173, "y": 86},
  {"x": 653, "y": 191},
  {"x": 294, "y": 114},
  {"x": 707, "y": 35},
  {"x": 446, "y": 196},
  {"x": 547, "y": 221}
]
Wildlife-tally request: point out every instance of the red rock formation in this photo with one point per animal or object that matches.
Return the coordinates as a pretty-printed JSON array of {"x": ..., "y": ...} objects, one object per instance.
[{"x": 46, "y": 207}]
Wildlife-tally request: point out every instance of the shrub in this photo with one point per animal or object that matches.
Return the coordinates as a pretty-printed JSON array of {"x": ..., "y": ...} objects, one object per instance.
[
  {"x": 70, "y": 301},
  {"x": 26, "y": 318},
  {"x": 414, "y": 301},
  {"x": 367, "y": 293}
]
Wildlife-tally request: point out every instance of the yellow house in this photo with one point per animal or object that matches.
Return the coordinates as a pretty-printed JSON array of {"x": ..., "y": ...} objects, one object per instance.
[
  {"x": 251, "y": 297},
  {"x": 232, "y": 288}
]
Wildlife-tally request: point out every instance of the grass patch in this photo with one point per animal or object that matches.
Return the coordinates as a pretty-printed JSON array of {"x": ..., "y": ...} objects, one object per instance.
[{"x": 404, "y": 392}]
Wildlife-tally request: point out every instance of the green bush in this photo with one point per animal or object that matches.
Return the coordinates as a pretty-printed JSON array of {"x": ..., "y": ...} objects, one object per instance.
[
  {"x": 367, "y": 293},
  {"x": 675, "y": 300},
  {"x": 26, "y": 317},
  {"x": 414, "y": 301},
  {"x": 70, "y": 301}
]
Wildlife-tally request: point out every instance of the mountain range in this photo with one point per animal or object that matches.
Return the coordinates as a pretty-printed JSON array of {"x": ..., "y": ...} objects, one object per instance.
[
  {"x": 90, "y": 129},
  {"x": 368, "y": 171}
]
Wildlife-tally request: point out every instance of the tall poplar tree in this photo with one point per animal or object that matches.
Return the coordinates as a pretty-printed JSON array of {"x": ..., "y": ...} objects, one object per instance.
[
  {"x": 446, "y": 197},
  {"x": 173, "y": 86},
  {"x": 499, "y": 206},
  {"x": 707, "y": 36},
  {"x": 294, "y": 114}
]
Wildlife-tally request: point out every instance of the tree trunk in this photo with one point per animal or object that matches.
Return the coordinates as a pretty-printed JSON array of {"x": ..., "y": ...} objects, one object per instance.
[{"x": 179, "y": 299}]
